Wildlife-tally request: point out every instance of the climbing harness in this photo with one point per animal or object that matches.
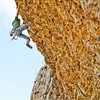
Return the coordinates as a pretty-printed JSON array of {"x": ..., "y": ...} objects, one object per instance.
[{"x": 14, "y": 37}]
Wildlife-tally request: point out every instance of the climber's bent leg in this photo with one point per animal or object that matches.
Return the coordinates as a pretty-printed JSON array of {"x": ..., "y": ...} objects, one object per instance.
[
  {"x": 27, "y": 44},
  {"x": 24, "y": 27},
  {"x": 23, "y": 36},
  {"x": 27, "y": 38},
  {"x": 30, "y": 28},
  {"x": 34, "y": 32}
]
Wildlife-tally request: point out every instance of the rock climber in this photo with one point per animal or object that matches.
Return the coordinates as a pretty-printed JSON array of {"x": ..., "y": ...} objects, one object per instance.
[{"x": 17, "y": 29}]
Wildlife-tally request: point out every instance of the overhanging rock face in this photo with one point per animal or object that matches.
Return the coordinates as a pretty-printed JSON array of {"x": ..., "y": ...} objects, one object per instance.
[{"x": 67, "y": 38}]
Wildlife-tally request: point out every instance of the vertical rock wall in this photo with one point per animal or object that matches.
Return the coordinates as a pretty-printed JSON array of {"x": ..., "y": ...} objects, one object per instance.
[{"x": 67, "y": 38}]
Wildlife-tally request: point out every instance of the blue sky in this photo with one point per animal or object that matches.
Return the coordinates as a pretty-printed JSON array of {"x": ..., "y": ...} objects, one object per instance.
[{"x": 19, "y": 65}]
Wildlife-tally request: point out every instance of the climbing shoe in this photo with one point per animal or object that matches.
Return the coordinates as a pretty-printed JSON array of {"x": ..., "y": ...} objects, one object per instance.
[
  {"x": 98, "y": 39},
  {"x": 29, "y": 46},
  {"x": 35, "y": 32}
]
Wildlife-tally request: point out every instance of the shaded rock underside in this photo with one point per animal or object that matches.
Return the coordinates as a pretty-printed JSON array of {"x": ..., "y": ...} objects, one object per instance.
[{"x": 67, "y": 38}]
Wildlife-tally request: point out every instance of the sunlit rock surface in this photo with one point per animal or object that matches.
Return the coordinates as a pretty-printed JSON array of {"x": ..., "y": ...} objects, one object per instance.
[{"x": 67, "y": 38}]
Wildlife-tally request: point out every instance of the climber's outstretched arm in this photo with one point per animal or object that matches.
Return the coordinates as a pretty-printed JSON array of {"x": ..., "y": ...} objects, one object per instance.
[{"x": 17, "y": 11}]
